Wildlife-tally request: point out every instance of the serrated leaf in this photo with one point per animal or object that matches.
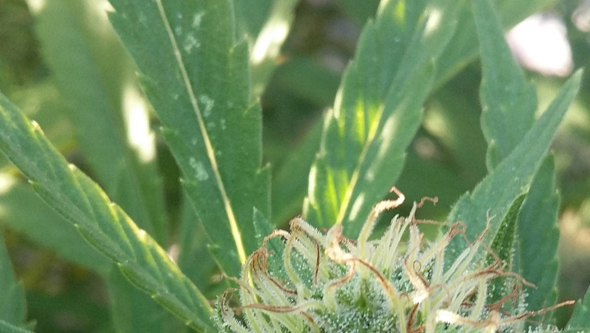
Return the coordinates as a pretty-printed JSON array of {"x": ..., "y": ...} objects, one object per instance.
[
  {"x": 13, "y": 305},
  {"x": 513, "y": 175},
  {"x": 509, "y": 102},
  {"x": 196, "y": 74},
  {"x": 580, "y": 320},
  {"x": 462, "y": 48},
  {"x": 99, "y": 92},
  {"x": 23, "y": 211},
  {"x": 538, "y": 238},
  {"x": 377, "y": 112},
  {"x": 102, "y": 223}
]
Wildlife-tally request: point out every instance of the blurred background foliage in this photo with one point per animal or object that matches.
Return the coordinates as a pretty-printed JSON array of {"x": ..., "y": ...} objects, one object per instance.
[{"x": 68, "y": 286}]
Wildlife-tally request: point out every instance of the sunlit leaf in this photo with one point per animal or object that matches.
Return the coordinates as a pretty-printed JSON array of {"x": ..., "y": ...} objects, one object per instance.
[
  {"x": 196, "y": 74},
  {"x": 377, "y": 111}
]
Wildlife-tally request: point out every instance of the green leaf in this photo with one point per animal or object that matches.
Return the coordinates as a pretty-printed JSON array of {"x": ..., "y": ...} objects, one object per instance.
[
  {"x": 102, "y": 223},
  {"x": 503, "y": 244},
  {"x": 377, "y": 112},
  {"x": 6, "y": 327},
  {"x": 195, "y": 259},
  {"x": 580, "y": 319},
  {"x": 538, "y": 238},
  {"x": 23, "y": 211},
  {"x": 266, "y": 49},
  {"x": 462, "y": 48},
  {"x": 134, "y": 311},
  {"x": 509, "y": 101},
  {"x": 509, "y": 105},
  {"x": 196, "y": 74},
  {"x": 513, "y": 175},
  {"x": 107, "y": 111},
  {"x": 13, "y": 305}
]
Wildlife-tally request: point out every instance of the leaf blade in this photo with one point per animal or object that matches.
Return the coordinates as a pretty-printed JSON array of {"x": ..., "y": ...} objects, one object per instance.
[
  {"x": 199, "y": 83},
  {"x": 102, "y": 223},
  {"x": 371, "y": 110},
  {"x": 13, "y": 305},
  {"x": 514, "y": 174}
]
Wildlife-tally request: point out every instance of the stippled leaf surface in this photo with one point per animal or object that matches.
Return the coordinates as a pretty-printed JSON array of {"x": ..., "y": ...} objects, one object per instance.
[
  {"x": 377, "y": 111},
  {"x": 513, "y": 175},
  {"x": 103, "y": 224},
  {"x": 509, "y": 104},
  {"x": 13, "y": 305},
  {"x": 195, "y": 72}
]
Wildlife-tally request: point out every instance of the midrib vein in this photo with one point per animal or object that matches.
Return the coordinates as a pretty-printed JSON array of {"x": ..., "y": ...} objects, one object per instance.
[{"x": 210, "y": 152}]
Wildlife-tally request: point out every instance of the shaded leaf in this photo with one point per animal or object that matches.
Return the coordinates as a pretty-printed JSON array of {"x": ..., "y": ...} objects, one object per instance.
[
  {"x": 13, "y": 305},
  {"x": 97, "y": 88},
  {"x": 101, "y": 222},
  {"x": 6, "y": 327},
  {"x": 377, "y": 112},
  {"x": 538, "y": 238},
  {"x": 513, "y": 175},
  {"x": 462, "y": 48},
  {"x": 22, "y": 210},
  {"x": 134, "y": 311},
  {"x": 509, "y": 102},
  {"x": 196, "y": 74},
  {"x": 502, "y": 246},
  {"x": 580, "y": 320},
  {"x": 265, "y": 50}
]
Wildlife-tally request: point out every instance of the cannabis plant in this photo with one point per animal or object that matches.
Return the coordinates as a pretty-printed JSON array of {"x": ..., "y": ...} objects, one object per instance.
[{"x": 202, "y": 65}]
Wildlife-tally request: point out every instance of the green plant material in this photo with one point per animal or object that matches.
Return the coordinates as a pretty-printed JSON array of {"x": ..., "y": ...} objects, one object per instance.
[
  {"x": 252, "y": 15},
  {"x": 514, "y": 174},
  {"x": 134, "y": 311},
  {"x": 266, "y": 49},
  {"x": 538, "y": 238},
  {"x": 377, "y": 111},
  {"x": 13, "y": 305},
  {"x": 580, "y": 320},
  {"x": 195, "y": 259},
  {"x": 196, "y": 74},
  {"x": 509, "y": 105},
  {"x": 102, "y": 223},
  {"x": 288, "y": 194},
  {"x": 328, "y": 283},
  {"x": 509, "y": 101},
  {"x": 359, "y": 11},
  {"x": 502, "y": 246},
  {"x": 22, "y": 210},
  {"x": 462, "y": 48},
  {"x": 6, "y": 327},
  {"x": 93, "y": 73}
]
